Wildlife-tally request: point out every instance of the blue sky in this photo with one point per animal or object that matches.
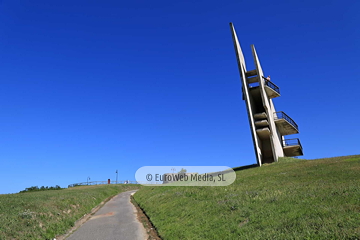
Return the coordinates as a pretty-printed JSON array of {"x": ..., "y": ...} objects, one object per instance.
[{"x": 88, "y": 87}]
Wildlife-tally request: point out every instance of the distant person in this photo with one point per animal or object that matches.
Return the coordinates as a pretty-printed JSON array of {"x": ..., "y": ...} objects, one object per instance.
[{"x": 268, "y": 78}]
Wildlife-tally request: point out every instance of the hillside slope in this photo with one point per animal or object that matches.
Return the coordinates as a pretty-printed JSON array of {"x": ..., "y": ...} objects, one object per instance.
[
  {"x": 291, "y": 199},
  {"x": 46, "y": 214}
]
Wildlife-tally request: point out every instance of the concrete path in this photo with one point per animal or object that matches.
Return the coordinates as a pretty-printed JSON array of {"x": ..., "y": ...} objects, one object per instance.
[{"x": 116, "y": 220}]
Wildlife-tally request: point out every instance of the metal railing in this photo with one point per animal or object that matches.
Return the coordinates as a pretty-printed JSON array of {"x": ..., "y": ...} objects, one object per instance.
[
  {"x": 102, "y": 182},
  {"x": 282, "y": 115},
  {"x": 271, "y": 85},
  {"x": 292, "y": 142}
]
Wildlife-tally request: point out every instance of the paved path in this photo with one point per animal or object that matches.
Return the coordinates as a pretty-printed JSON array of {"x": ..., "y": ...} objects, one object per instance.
[{"x": 116, "y": 220}]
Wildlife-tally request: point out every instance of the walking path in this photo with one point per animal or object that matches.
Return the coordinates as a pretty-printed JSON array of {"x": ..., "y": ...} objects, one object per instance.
[{"x": 116, "y": 220}]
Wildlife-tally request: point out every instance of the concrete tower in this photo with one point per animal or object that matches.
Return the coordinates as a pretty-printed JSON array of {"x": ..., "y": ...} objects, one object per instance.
[{"x": 268, "y": 127}]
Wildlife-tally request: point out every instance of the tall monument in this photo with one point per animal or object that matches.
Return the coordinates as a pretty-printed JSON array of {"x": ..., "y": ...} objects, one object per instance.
[{"x": 268, "y": 127}]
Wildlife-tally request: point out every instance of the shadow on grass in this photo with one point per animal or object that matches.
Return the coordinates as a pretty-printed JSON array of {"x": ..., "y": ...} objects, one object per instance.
[{"x": 245, "y": 167}]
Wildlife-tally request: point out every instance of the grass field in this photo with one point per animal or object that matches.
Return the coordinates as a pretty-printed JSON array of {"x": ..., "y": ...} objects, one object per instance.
[
  {"x": 46, "y": 214},
  {"x": 291, "y": 199}
]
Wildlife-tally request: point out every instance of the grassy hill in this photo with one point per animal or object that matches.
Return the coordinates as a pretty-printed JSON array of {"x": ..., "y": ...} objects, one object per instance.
[
  {"x": 291, "y": 199},
  {"x": 46, "y": 214}
]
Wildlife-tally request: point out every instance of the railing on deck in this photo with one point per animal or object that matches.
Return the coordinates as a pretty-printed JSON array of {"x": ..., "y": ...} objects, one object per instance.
[
  {"x": 291, "y": 142},
  {"x": 282, "y": 115},
  {"x": 271, "y": 85}
]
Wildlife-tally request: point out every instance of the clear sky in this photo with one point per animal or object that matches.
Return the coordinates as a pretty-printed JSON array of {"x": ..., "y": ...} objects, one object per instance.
[{"x": 89, "y": 87}]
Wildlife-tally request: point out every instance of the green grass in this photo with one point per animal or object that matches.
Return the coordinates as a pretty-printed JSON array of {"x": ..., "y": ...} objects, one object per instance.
[
  {"x": 46, "y": 214},
  {"x": 291, "y": 199}
]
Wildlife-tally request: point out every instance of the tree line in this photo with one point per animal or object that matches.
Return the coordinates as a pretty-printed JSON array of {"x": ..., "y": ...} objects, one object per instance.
[{"x": 42, "y": 188}]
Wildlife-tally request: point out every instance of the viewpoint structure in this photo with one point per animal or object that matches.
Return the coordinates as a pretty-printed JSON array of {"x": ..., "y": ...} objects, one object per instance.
[{"x": 268, "y": 127}]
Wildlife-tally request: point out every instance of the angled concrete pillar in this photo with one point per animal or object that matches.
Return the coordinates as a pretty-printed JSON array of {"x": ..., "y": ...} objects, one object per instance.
[
  {"x": 245, "y": 92},
  {"x": 270, "y": 110}
]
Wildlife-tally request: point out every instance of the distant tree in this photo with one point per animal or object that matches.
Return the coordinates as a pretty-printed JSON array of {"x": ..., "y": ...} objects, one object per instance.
[
  {"x": 33, "y": 188},
  {"x": 183, "y": 170}
]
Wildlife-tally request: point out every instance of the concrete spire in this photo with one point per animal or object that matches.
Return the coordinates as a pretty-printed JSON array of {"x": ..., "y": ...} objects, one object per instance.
[{"x": 267, "y": 126}]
